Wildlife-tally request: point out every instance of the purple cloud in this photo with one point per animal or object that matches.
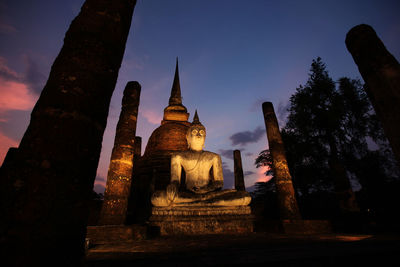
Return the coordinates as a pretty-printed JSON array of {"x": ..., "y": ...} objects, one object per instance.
[
  {"x": 227, "y": 153},
  {"x": 246, "y": 137}
]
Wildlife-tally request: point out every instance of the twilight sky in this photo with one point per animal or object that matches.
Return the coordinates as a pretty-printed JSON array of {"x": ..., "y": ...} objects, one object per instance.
[{"x": 233, "y": 55}]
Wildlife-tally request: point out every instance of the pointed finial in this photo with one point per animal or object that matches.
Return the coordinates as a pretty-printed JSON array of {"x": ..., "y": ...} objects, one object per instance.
[
  {"x": 196, "y": 119},
  {"x": 176, "y": 98}
]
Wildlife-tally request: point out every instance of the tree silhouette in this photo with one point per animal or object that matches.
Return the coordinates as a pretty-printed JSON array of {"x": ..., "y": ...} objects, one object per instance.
[{"x": 328, "y": 136}]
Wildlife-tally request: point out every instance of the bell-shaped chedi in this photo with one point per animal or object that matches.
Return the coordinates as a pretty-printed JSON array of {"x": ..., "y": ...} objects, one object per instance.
[
  {"x": 153, "y": 169},
  {"x": 171, "y": 135}
]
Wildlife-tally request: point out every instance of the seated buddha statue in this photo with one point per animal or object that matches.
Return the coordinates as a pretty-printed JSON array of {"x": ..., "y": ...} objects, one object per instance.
[{"x": 204, "y": 178}]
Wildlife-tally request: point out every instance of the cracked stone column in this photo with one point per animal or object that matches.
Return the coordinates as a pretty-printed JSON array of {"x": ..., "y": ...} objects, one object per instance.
[
  {"x": 381, "y": 73},
  {"x": 238, "y": 170},
  {"x": 288, "y": 207},
  {"x": 119, "y": 177},
  {"x": 44, "y": 196}
]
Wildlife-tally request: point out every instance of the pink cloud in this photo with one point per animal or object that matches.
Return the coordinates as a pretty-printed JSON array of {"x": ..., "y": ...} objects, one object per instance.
[
  {"x": 15, "y": 96},
  {"x": 5, "y": 144},
  {"x": 14, "y": 93},
  {"x": 151, "y": 116},
  {"x": 261, "y": 174}
]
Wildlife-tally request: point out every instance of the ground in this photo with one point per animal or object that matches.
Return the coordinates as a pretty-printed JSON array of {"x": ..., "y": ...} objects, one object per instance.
[{"x": 251, "y": 249}]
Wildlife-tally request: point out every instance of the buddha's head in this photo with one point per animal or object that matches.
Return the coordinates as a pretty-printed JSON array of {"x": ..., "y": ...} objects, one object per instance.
[{"x": 196, "y": 134}]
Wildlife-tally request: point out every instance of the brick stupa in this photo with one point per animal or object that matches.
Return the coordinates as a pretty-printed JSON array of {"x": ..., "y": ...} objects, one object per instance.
[{"x": 153, "y": 170}]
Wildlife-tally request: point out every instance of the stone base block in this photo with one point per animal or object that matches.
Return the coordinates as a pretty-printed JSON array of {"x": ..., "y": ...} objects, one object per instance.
[
  {"x": 202, "y": 220},
  {"x": 294, "y": 226},
  {"x": 115, "y": 233}
]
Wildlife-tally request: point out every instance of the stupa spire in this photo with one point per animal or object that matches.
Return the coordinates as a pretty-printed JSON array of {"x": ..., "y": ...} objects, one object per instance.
[
  {"x": 176, "y": 97},
  {"x": 175, "y": 111}
]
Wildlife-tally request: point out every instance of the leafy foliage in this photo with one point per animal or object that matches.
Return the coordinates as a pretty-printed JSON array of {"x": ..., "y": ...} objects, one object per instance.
[
  {"x": 333, "y": 120},
  {"x": 264, "y": 159}
]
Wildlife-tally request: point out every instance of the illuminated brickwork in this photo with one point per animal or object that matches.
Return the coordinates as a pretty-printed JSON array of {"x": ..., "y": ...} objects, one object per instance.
[
  {"x": 119, "y": 178},
  {"x": 286, "y": 197}
]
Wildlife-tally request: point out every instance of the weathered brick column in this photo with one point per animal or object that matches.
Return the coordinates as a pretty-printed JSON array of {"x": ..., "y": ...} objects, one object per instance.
[
  {"x": 288, "y": 207},
  {"x": 119, "y": 177},
  {"x": 44, "y": 197},
  {"x": 381, "y": 73},
  {"x": 238, "y": 170}
]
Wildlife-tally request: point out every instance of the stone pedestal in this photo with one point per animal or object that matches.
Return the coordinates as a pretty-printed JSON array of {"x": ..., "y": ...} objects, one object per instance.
[{"x": 202, "y": 220}]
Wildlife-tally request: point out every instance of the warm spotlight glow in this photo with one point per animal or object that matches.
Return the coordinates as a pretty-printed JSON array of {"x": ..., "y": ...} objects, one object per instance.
[{"x": 346, "y": 238}]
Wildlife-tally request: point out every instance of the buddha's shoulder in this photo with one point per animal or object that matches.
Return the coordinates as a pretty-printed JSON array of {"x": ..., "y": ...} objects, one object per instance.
[
  {"x": 189, "y": 153},
  {"x": 210, "y": 154}
]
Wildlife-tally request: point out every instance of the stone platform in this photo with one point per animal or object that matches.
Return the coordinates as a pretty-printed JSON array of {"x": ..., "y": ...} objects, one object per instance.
[
  {"x": 105, "y": 234},
  {"x": 253, "y": 249},
  {"x": 201, "y": 220}
]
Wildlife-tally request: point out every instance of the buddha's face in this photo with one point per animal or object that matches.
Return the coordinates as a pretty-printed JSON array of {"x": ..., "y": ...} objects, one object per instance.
[{"x": 196, "y": 136}]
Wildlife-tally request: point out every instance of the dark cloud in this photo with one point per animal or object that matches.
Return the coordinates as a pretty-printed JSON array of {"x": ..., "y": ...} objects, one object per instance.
[
  {"x": 33, "y": 77},
  {"x": 248, "y": 173},
  {"x": 248, "y": 154},
  {"x": 244, "y": 138},
  {"x": 229, "y": 176},
  {"x": 227, "y": 153}
]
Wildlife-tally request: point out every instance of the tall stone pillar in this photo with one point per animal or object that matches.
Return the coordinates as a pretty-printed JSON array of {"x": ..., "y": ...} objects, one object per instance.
[
  {"x": 238, "y": 170},
  {"x": 44, "y": 198},
  {"x": 381, "y": 73},
  {"x": 284, "y": 187},
  {"x": 119, "y": 177}
]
